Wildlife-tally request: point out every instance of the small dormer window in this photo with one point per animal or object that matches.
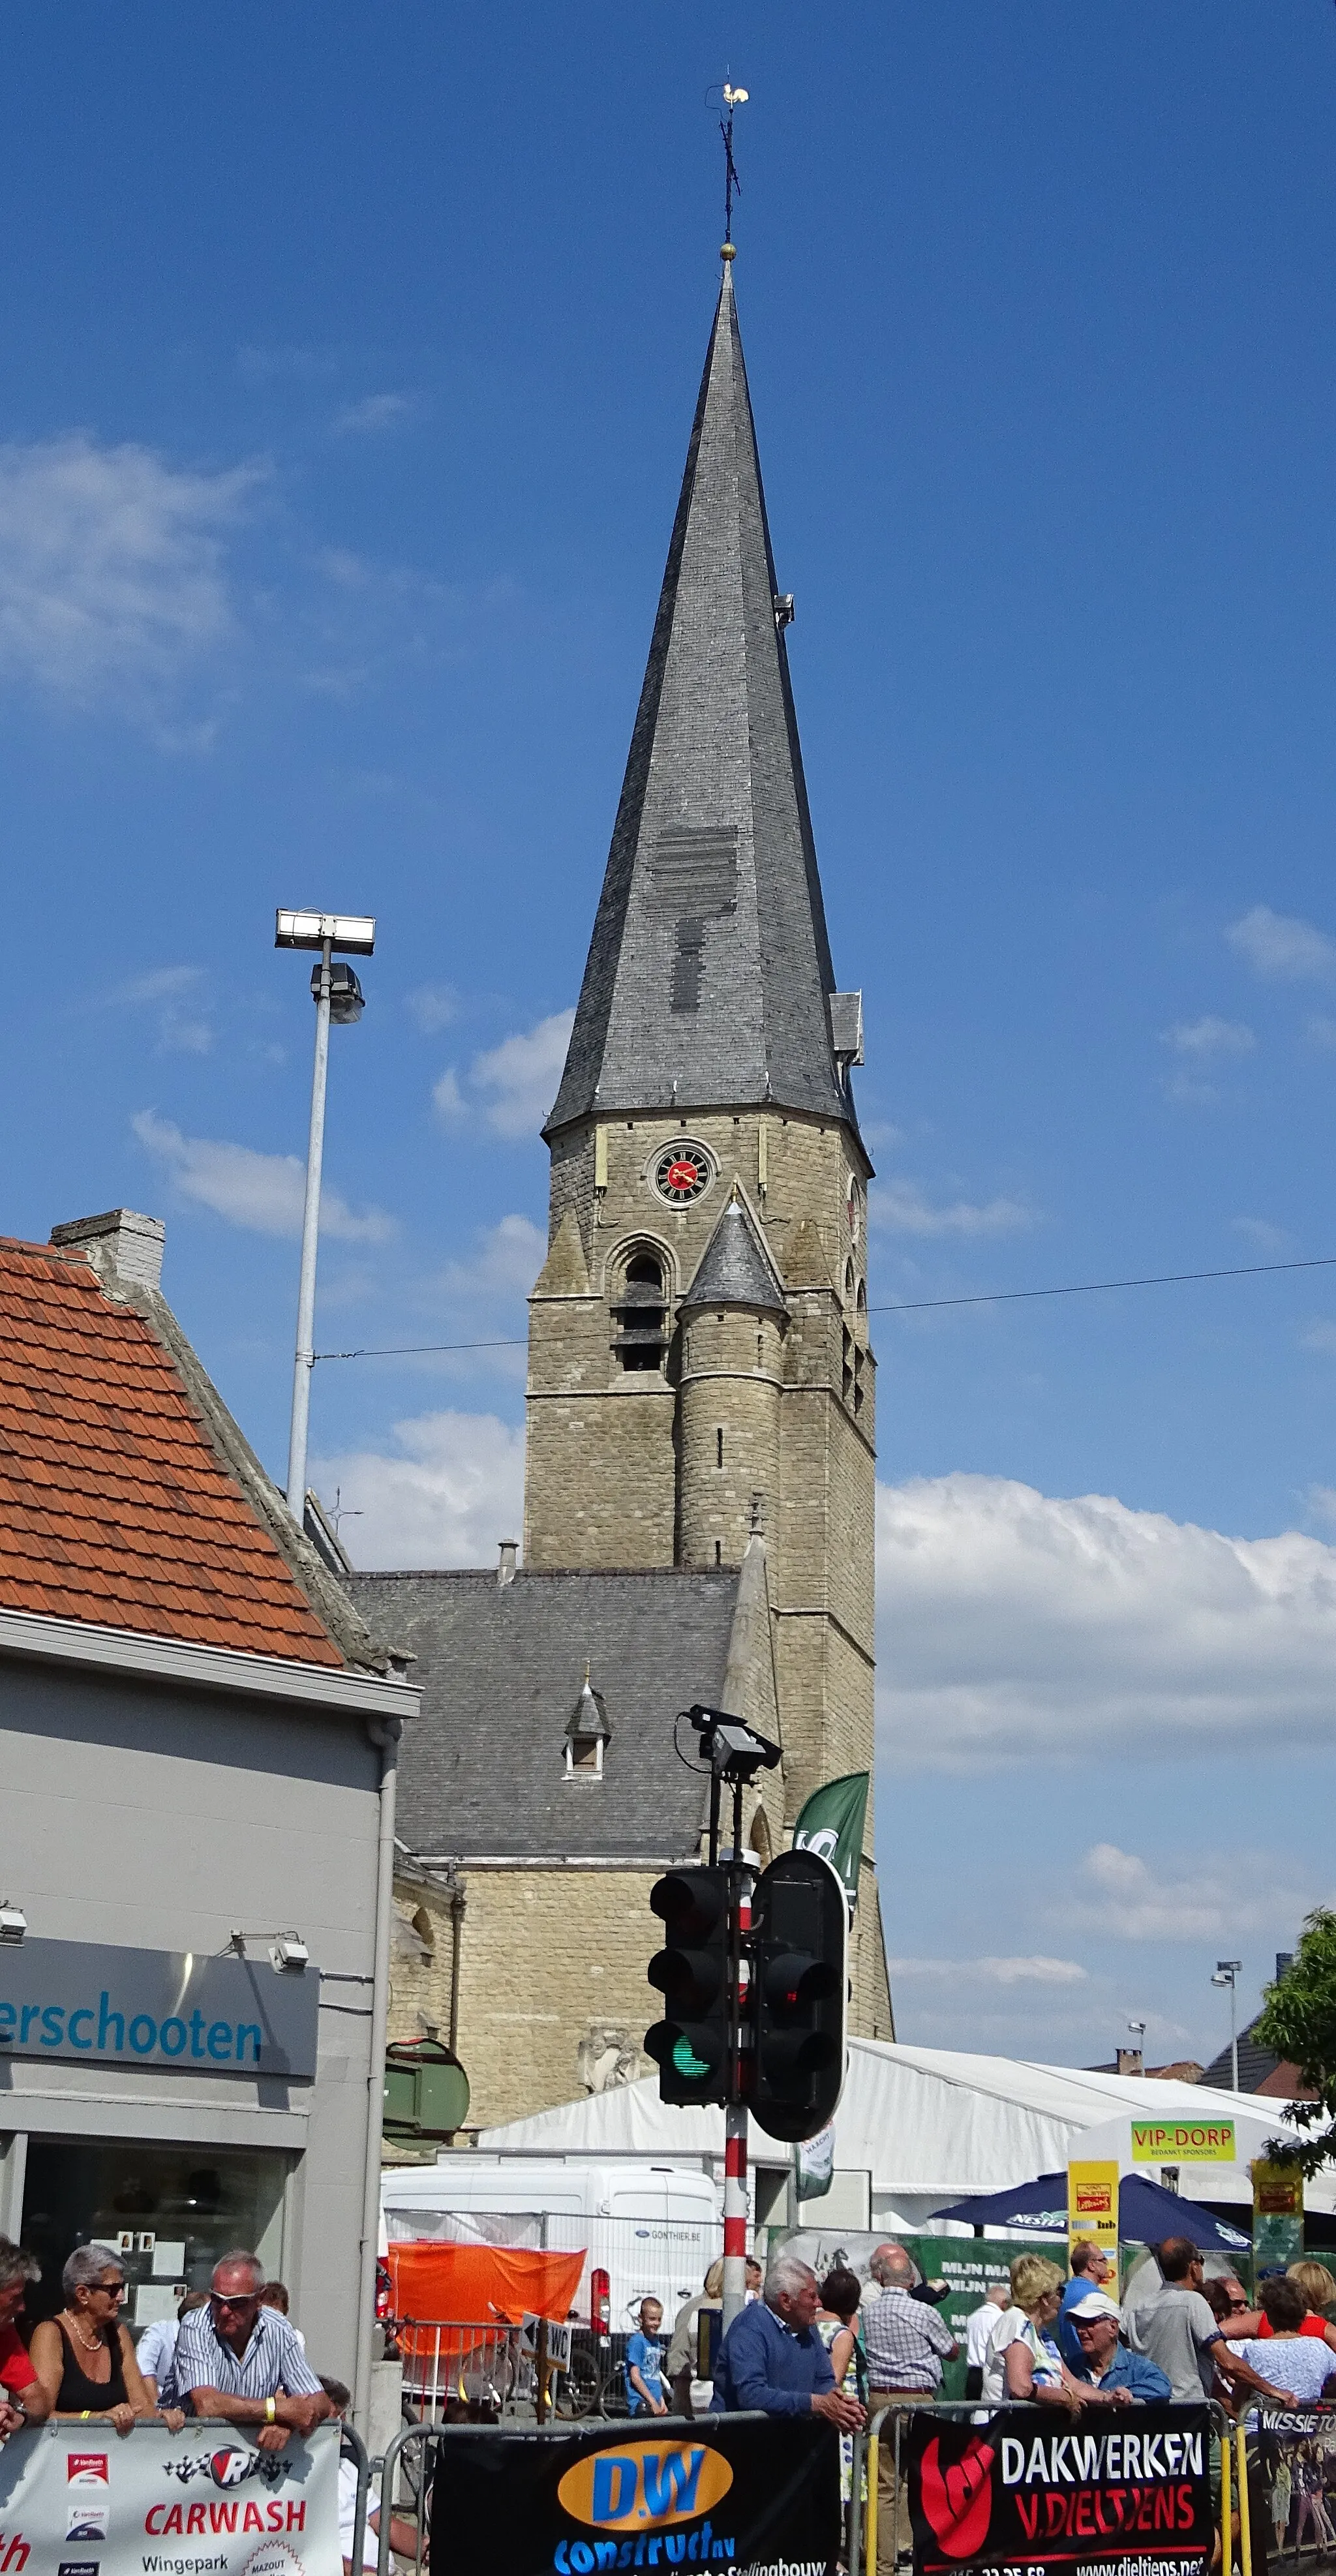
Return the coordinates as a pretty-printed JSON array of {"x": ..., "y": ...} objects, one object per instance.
[{"x": 587, "y": 1735}]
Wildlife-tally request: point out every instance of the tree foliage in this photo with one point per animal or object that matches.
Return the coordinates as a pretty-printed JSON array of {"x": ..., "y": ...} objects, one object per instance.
[{"x": 1298, "y": 2021}]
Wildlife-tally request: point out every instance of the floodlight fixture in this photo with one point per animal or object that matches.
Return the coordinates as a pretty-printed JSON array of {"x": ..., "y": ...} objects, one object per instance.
[
  {"x": 13, "y": 1920},
  {"x": 354, "y": 933},
  {"x": 290, "y": 1951},
  {"x": 346, "y": 998}
]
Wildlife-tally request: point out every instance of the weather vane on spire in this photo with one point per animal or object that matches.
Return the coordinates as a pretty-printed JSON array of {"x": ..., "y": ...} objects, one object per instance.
[{"x": 733, "y": 98}]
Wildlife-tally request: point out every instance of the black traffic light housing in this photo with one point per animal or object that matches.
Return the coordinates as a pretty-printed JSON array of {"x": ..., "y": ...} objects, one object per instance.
[
  {"x": 799, "y": 1995},
  {"x": 692, "y": 1972}
]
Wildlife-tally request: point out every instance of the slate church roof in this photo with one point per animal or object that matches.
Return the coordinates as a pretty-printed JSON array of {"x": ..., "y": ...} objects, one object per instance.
[
  {"x": 482, "y": 1774},
  {"x": 709, "y": 978}
]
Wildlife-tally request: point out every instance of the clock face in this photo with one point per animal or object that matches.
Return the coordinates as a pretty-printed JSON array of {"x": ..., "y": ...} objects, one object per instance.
[{"x": 682, "y": 1173}]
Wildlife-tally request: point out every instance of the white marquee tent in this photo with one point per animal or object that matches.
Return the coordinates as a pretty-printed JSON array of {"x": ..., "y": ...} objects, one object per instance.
[{"x": 929, "y": 2125}]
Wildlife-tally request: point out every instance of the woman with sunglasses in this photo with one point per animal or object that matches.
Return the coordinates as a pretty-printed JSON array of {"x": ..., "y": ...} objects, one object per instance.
[{"x": 84, "y": 2357}]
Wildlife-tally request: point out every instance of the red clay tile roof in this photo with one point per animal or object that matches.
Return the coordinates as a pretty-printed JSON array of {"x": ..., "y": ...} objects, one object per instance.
[{"x": 114, "y": 1505}]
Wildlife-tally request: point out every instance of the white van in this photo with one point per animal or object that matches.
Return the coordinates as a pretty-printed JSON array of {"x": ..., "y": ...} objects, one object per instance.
[{"x": 653, "y": 2228}]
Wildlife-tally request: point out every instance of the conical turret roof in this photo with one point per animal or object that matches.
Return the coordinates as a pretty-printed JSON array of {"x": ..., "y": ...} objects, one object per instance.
[
  {"x": 735, "y": 1269},
  {"x": 709, "y": 978}
]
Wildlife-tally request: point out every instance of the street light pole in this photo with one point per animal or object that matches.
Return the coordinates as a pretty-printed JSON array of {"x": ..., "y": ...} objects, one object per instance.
[
  {"x": 337, "y": 996},
  {"x": 304, "y": 1361},
  {"x": 1227, "y": 1974}
]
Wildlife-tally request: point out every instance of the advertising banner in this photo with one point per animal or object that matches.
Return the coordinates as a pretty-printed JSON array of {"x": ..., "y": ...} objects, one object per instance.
[
  {"x": 75, "y": 2500},
  {"x": 1184, "y": 2142},
  {"x": 1023, "y": 2492},
  {"x": 1278, "y": 2212},
  {"x": 758, "y": 2495},
  {"x": 1092, "y": 2206},
  {"x": 1297, "y": 2451}
]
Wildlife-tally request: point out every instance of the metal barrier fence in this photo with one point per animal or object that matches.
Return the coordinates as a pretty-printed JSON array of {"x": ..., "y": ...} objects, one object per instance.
[
  {"x": 408, "y": 2469},
  {"x": 864, "y": 2513}
]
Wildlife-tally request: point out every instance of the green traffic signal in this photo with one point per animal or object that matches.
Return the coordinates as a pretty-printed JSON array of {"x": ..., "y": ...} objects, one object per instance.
[{"x": 692, "y": 1972}]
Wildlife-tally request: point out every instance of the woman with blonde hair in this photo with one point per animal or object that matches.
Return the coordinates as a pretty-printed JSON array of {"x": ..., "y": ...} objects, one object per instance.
[
  {"x": 1023, "y": 2361},
  {"x": 680, "y": 2367}
]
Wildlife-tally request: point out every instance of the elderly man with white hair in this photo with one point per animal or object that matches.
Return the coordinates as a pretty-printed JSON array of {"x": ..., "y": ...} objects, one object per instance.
[
  {"x": 906, "y": 2344},
  {"x": 772, "y": 2357}
]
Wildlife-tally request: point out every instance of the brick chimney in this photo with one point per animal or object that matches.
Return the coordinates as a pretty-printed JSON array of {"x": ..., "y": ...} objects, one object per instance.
[{"x": 120, "y": 1244}]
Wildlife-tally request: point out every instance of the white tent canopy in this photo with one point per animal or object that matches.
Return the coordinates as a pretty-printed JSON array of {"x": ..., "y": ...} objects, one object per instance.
[{"x": 930, "y": 2125}]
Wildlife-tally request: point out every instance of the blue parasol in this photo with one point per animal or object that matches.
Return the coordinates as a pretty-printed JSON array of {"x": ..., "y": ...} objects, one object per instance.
[{"x": 1146, "y": 2214}]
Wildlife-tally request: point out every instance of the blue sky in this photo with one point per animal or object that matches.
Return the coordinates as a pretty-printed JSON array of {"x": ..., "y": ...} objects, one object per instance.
[{"x": 349, "y": 361}]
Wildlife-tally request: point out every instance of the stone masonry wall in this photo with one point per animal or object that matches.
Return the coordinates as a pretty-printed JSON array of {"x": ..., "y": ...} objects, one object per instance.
[{"x": 552, "y": 1961}]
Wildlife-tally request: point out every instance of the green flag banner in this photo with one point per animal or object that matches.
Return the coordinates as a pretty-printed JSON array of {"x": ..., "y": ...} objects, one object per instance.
[{"x": 831, "y": 1823}]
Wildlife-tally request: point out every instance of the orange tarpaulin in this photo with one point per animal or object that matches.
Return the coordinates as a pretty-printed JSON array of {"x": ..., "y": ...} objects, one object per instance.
[{"x": 476, "y": 2284}]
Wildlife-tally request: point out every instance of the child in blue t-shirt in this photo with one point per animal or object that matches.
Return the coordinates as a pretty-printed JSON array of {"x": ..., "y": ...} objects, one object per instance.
[{"x": 645, "y": 2382}]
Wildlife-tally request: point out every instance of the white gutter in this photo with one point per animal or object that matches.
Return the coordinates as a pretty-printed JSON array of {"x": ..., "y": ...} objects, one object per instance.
[
  {"x": 386, "y": 1735},
  {"x": 140, "y": 1657}
]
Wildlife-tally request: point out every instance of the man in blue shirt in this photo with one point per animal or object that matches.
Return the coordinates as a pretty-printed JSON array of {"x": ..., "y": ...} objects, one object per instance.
[
  {"x": 1106, "y": 2363},
  {"x": 1091, "y": 2269},
  {"x": 773, "y": 2359}
]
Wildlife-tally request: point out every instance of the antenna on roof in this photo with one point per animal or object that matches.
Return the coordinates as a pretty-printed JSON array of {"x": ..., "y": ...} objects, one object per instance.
[{"x": 733, "y": 98}]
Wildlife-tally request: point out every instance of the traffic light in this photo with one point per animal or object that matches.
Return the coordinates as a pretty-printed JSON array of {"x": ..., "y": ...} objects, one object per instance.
[
  {"x": 691, "y": 1971},
  {"x": 799, "y": 1991}
]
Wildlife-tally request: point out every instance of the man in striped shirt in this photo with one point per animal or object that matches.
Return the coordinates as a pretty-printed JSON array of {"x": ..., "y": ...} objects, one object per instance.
[{"x": 244, "y": 2363}]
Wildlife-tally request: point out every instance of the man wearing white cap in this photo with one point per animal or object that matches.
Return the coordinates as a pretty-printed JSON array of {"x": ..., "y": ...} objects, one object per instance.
[{"x": 1105, "y": 2362}]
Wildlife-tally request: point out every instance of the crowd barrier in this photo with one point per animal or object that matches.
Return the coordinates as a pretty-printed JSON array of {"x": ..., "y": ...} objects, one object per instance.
[
  {"x": 89, "y": 2501},
  {"x": 1082, "y": 2469},
  {"x": 1126, "y": 2492}
]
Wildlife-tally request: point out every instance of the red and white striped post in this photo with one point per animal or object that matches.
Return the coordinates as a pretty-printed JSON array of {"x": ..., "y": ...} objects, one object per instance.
[
  {"x": 735, "y": 2113},
  {"x": 735, "y": 2211}
]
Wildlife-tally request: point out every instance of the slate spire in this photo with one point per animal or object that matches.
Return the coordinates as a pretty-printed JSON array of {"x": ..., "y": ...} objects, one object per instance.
[{"x": 709, "y": 981}]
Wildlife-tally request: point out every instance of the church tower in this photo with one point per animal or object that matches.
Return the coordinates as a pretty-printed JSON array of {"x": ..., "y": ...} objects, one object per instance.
[{"x": 700, "y": 1380}]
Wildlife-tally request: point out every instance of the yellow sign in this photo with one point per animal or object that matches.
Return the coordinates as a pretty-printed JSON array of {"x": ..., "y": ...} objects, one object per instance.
[
  {"x": 1092, "y": 2206},
  {"x": 644, "y": 2486},
  {"x": 1183, "y": 2142},
  {"x": 1278, "y": 2190}
]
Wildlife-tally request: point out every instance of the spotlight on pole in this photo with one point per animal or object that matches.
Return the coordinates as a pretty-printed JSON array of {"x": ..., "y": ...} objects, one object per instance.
[{"x": 337, "y": 995}]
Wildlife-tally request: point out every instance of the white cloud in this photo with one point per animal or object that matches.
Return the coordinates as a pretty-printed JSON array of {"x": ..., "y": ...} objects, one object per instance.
[
  {"x": 1036, "y": 1971},
  {"x": 1265, "y": 1236},
  {"x": 901, "y": 1208},
  {"x": 506, "y": 1262},
  {"x": 511, "y": 1086},
  {"x": 1319, "y": 1336},
  {"x": 1124, "y": 1898},
  {"x": 448, "y": 1100},
  {"x": 263, "y": 1192},
  {"x": 454, "y": 1488},
  {"x": 432, "y": 1006},
  {"x": 1279, "y": 945},
  {"x": 1320, "y": 1031},
  {"x": 169, "y": 992},
  {"x": 111, "y": 577},
  {"x": 374, "y": 411},
  {"x": 1210, "y": 1037},
  {"x": 1014, "y": 1625}
]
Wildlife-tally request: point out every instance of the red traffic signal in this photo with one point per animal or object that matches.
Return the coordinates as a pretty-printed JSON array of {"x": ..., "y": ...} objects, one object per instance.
[{"x": 799, "y": 1994}]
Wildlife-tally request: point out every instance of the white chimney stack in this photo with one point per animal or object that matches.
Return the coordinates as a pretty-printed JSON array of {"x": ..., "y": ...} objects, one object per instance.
[{"x": 121, "y": 1244}]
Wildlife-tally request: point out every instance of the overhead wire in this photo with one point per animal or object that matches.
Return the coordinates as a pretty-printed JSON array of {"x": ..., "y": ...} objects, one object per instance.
[{"x": 904, "y": 1305}]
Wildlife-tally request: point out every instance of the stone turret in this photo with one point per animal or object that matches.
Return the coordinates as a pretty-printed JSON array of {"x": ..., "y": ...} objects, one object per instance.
[{"x": 731, "y": 1372}]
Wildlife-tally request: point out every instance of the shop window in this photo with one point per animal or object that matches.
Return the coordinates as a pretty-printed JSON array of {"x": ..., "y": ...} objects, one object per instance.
[{"x": 168, "y": 2212}]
